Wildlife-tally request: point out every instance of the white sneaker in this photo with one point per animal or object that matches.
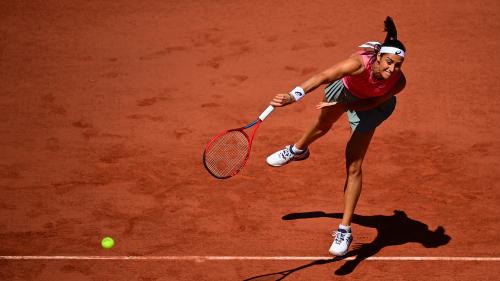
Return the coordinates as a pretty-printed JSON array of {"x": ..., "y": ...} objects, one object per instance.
[
  {"x": 284, "y": 156},
  {"x": 343, "y": 239}
]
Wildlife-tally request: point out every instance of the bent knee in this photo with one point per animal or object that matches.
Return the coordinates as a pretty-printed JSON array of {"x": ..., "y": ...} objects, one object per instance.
[{"x": 354, "y": 168}]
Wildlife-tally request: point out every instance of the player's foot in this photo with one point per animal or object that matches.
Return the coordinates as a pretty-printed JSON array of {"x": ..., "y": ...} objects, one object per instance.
[
  {"x": 285, "y": 155},
  {"x": 342, "y": 240}
]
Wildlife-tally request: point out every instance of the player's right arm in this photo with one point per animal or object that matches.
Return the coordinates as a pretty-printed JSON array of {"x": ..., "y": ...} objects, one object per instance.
[{"x": 351, "y": 66}]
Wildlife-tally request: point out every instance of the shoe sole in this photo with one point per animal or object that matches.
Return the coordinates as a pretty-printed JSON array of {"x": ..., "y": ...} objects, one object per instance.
[{"x": 338, "y": 254}]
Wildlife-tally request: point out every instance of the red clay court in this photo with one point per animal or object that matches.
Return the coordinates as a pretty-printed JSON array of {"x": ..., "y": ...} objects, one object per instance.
[{"x": 106, "y": 107}]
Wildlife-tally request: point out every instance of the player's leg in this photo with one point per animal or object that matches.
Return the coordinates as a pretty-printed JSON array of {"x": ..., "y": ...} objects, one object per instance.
[
  {"x": 299, "y": 151},
  {"x": 363, "y": 125},
  {"x": 355, "y": 152},
  {"x": 334, "y": 92},
  {"x": 327, "y": 117}
]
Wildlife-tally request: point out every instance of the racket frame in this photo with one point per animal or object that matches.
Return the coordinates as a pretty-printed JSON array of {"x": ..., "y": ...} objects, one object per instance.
[{"x": 255, "y": 123}]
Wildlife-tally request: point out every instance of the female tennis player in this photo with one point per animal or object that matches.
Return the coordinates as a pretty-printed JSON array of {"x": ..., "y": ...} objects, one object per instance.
[{"x": 364, "y": 85}]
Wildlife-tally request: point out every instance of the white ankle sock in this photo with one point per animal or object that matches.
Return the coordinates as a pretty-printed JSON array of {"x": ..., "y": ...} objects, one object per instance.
[
  {"x": 296, "y": 150},
  {"x": 345, "y": 227}
]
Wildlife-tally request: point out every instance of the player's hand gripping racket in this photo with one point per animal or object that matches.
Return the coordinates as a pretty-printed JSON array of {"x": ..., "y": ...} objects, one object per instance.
[{"x": 227, "y": 153}]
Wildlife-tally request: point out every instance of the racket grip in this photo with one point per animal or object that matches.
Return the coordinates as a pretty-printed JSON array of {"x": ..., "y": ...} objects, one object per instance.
[{"x": 266, "y": 112}]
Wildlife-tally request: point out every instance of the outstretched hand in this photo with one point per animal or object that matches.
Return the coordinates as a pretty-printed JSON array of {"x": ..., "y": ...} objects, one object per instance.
[
  {"x": 324, "y": 104},
  {"x": 282, "y": 100}
]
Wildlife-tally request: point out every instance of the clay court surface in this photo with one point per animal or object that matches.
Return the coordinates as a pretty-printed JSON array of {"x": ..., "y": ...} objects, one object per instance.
[{"x": 106, "y": 107}]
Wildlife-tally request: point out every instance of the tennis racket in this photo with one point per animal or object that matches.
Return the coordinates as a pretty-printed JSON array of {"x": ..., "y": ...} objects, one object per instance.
[{"x": 228, "y": 152}]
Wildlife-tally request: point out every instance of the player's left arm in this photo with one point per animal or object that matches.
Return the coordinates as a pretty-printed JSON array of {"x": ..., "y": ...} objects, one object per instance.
[{"x": 367, "y": 104}]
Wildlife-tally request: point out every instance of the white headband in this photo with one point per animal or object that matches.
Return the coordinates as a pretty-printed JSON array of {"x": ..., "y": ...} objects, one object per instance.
[
  {"x": 384, "y": 49},
  {"x": 392, "y": 50}
]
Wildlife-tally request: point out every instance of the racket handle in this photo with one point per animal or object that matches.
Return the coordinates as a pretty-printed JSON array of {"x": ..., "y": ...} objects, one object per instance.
[{"x": 266, "y": 112}]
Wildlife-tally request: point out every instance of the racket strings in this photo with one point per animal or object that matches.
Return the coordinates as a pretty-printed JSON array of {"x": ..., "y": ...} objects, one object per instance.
[{"x": 227, "y": 154}]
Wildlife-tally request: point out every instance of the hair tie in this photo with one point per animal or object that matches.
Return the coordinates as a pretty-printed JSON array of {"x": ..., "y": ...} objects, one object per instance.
[
  {"x": 372, "y": 45},
  {"x": 378, "y": 48}
]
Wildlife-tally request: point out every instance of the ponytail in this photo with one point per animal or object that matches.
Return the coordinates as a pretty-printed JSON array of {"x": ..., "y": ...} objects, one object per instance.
[
  {"x": 390, "y": 28},
  {"x": 391, "y": 43},
  {"x": 391, "y": 39}
]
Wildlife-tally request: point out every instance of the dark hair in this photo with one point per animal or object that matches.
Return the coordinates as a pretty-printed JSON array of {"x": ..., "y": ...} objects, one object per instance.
[{"x": 391, "y": 39}]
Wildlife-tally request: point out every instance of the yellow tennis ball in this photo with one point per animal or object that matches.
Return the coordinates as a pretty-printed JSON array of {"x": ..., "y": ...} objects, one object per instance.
[{"x": 107, "y": 242}]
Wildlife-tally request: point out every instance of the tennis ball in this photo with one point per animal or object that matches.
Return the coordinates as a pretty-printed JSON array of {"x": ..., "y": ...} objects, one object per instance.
[{"x": 107, "y": 242}]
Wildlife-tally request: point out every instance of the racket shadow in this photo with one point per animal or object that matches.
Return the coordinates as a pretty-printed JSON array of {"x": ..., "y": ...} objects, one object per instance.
[
  {"x": 396, "y": 229},
  {"x": 283, "y": 274}
]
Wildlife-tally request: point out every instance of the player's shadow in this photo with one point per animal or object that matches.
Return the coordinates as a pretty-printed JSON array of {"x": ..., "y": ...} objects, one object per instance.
[{"x": 397, "y": 229}]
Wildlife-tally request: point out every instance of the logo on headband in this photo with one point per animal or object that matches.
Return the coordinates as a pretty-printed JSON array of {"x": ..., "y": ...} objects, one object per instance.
[{"x": 398, "y": 52}]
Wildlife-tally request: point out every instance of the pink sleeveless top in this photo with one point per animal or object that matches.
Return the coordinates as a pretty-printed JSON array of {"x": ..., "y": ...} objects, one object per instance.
[{"x": 365, "y": 86}]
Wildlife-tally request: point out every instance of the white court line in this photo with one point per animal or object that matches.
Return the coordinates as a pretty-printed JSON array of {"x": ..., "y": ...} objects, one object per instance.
[{"x": 239, "y": 258}]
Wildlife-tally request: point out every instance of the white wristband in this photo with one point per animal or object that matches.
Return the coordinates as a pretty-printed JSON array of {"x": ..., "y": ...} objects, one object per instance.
[{"x": 297, "y": 93}]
